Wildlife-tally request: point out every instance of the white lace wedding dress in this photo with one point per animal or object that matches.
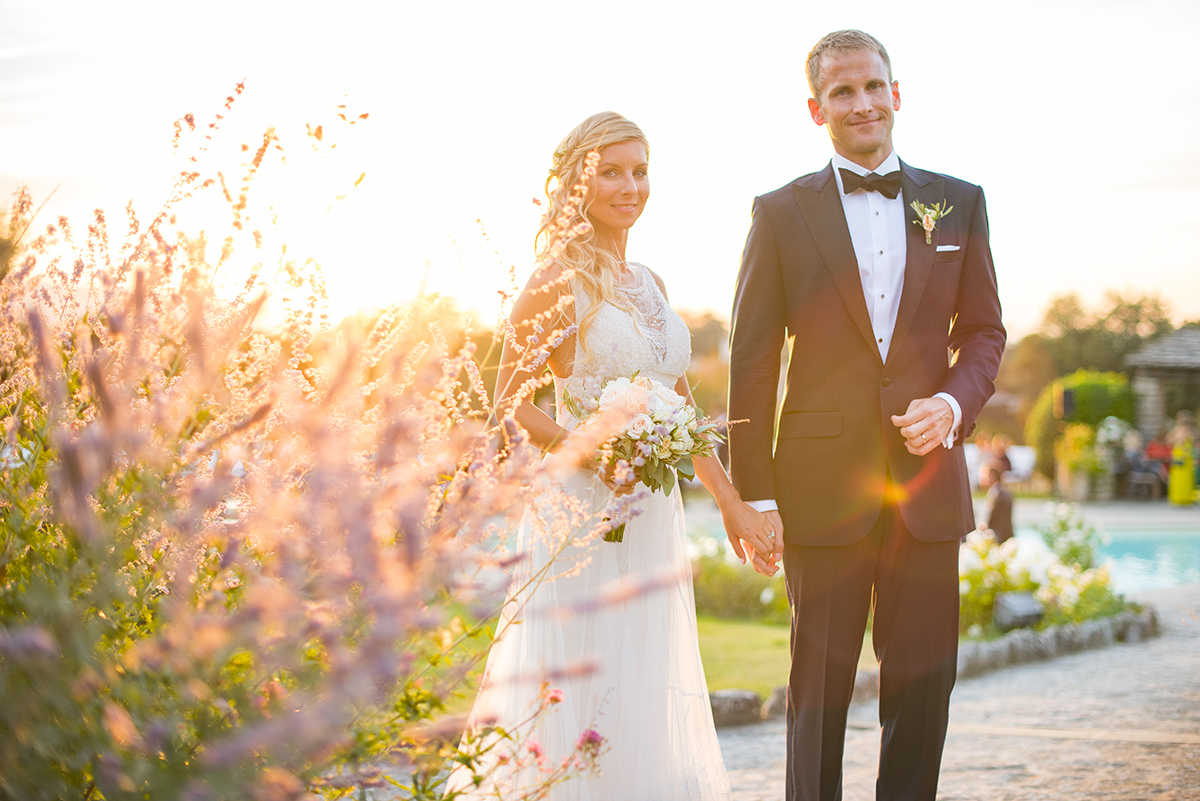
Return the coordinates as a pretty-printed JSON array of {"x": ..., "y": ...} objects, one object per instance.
[{"x": 626, "y": 609}]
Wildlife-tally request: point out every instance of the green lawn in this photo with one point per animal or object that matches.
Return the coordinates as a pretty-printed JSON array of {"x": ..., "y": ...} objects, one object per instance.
[{"x": 739, "y": 655}]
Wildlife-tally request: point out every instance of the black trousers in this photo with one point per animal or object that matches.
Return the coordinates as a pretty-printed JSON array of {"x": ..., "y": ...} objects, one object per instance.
[{"x": 913, "y": 588}]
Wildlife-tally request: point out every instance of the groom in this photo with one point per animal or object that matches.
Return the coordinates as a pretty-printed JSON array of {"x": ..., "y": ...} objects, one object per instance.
[{"x": 894, "y": 326}]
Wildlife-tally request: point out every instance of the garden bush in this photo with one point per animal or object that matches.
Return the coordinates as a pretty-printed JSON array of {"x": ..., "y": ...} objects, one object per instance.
[
  {"x": 1066, "y": 578},
  {"x": 732, "y": 590},
  {"x": 1096, "y": 396}
]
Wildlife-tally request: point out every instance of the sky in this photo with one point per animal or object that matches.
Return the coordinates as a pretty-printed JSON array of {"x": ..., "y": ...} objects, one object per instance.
[{"x": 1078, "y": 117}]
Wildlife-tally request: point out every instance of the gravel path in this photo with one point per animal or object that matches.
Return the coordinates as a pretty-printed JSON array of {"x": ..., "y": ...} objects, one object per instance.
[{"x": 1117, "y": 723}]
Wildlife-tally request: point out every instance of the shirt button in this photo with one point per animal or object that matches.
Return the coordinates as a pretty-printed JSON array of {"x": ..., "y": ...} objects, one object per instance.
[{"x": 881, "y": 296}]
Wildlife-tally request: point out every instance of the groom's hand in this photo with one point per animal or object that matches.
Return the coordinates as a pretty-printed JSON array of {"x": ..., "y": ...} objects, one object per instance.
[{"x": 925, "y": 424}]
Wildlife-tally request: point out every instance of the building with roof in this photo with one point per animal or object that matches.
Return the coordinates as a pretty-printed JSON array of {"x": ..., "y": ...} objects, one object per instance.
[{"x": 1172, "y": 358}]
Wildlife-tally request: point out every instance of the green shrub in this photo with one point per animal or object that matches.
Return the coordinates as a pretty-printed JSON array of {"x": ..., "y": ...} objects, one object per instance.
[
  {"x": 1096, "y": 396},
  {"x": 1071, "y": 538},
  {"x": 985, "y": 570},
  {"x": 1065, "y": 578},
  {"x": 1076, "y": 448},
  {"x": 734, "y": 591}
]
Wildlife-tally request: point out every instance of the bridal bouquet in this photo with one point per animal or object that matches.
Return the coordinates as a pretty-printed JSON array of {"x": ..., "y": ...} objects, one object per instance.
[{"x": 659, "y": 438}]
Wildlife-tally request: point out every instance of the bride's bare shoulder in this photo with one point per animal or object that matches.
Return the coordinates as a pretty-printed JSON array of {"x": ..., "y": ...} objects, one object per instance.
[
  {"x": 548, "y": 286},
  {"x": 662, "y": 285}
]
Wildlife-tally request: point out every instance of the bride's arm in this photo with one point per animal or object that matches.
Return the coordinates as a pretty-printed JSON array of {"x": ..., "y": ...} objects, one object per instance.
[
  {"x": 749, "y": 531},
  {"x": 527, "y": 352}
]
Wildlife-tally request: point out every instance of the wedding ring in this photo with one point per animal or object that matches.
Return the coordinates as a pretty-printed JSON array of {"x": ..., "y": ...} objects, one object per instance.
[
  {"x": 772, "y": 533},
  {"x": 922, "y": 439}
]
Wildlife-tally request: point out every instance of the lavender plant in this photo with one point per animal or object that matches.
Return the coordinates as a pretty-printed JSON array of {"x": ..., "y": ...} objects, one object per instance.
[{"x": 237, "y": 562}]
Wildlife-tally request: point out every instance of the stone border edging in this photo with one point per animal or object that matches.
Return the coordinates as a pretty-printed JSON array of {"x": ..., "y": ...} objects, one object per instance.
[{"x": 975, "y": 658}]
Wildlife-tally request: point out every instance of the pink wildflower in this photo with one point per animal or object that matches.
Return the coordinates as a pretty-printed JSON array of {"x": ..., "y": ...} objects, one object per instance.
[{"x": 590, "y": 742}]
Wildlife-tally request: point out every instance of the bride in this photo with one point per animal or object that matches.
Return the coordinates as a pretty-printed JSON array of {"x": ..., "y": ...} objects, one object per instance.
[{"x": 611, "y": 625}]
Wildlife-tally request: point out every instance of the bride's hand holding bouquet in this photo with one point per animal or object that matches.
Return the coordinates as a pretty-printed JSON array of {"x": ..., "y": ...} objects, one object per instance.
[{"x": 655, "y": 435}]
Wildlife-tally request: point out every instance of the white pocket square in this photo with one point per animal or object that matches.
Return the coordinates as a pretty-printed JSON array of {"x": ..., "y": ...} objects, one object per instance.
[{"x": 944, "y": 248}]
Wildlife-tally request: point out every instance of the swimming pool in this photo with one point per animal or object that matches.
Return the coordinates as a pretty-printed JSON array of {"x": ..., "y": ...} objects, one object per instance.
[{"x": 1146, "y": 559}]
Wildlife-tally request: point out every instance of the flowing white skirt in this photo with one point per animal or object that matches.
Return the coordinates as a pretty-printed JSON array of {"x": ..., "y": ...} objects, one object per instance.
[{"x": 613, "y": 627}]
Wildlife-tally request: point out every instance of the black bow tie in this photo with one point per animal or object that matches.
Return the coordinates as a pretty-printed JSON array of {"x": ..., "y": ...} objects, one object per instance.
[{"x": 886, "y": 185}]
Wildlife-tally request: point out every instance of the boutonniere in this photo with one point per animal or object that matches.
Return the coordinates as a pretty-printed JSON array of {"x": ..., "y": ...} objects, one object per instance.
[{"x": 928, "y": 216}]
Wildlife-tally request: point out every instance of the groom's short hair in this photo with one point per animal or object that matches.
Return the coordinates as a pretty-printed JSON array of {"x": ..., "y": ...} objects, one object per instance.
[{"x": 841, "y": 42}]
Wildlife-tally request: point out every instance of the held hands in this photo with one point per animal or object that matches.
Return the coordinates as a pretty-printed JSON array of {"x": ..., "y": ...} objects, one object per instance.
[
  {"x": 925, "y": 425},
  {"x": 755, "y": 535}
]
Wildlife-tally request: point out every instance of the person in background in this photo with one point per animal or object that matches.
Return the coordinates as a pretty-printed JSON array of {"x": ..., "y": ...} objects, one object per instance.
[
  {"x": 1000, "y": 503},
  {"x": 1181, "y": 439},
  {"x": 999, "y": 448},
  {"x": 1158, "y": 455}
]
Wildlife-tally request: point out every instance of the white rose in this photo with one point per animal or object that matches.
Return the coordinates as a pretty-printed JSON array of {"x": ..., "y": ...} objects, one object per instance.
[
  {"x": 651, "y": 404},
  {"x": 668, "y": 396},
  {"x": 614, "y": 394},
  {"x": 663, "y": 449},
  {"x": 640, "y": 425}
]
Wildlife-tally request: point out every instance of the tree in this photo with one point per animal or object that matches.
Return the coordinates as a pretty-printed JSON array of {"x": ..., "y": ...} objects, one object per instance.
[
  {"x": 1083, "y": 339},
  {"x": 708, "y": 373}
]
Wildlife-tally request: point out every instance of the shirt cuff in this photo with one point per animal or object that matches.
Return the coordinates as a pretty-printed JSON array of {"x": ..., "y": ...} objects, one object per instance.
[
  {"x": 948, "y": 442},
  {"x": 763, "y": 506}
]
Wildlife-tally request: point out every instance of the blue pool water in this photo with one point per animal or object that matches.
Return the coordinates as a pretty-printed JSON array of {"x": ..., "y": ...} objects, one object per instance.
[{"x": 1147, "y": 559}]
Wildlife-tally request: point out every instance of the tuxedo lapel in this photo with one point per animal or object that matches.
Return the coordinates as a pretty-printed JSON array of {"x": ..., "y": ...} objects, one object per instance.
[
  {"x": 918, "y": 263},
  {"x": 821, "y": 209}
]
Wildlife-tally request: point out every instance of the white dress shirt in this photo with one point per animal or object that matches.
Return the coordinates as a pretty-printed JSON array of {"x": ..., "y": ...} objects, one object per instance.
[{"x": 878, "y": 233}]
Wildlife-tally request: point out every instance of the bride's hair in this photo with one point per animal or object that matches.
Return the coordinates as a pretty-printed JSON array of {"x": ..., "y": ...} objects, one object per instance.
[{"x": 596, "y": 268}]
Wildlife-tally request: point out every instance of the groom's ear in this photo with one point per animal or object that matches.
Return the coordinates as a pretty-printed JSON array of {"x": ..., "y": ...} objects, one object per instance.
[
  {"x": 814, "y": 108},
  {"x": 895, "y": 95}
]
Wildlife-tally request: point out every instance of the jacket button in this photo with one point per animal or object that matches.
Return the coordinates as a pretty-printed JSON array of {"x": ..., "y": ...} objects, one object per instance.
[{"x": 887, "y": 382}]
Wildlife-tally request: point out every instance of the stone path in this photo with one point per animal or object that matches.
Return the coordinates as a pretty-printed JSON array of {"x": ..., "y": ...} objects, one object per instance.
[{"x": 1117, "y": 723}]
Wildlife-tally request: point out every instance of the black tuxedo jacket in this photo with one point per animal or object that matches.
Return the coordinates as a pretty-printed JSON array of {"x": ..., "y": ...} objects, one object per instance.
[{"x": 835, "y": 446}]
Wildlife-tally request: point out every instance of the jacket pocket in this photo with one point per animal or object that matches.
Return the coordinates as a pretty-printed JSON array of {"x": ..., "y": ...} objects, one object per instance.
[{"x": 794, "y": 425}]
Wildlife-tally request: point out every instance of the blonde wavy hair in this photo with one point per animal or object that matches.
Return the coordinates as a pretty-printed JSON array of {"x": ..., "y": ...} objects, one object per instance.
[{"x": 565, "y": 237}]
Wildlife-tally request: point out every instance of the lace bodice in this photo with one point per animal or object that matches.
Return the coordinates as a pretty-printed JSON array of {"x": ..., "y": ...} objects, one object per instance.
[{"x": 658, "y": 346}]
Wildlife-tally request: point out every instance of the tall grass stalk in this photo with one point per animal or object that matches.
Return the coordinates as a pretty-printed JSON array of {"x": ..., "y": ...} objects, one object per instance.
[{"x": 238, "y": 561}]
